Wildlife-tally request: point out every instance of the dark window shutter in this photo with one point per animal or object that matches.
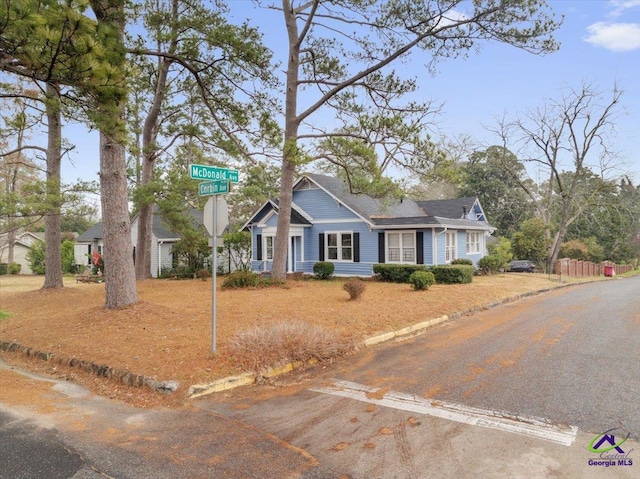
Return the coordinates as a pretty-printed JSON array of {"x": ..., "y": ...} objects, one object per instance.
[
  {"x": 259, "y": 247},
  {"x": 321, "y": 247},
  {"x": 381, "y": 247},
  {"x": 356, "y": 247},
  {"x": 419, "y": 247}
]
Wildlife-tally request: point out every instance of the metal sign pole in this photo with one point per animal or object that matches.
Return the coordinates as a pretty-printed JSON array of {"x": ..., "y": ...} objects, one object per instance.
[{"x": 214, "y": 267}]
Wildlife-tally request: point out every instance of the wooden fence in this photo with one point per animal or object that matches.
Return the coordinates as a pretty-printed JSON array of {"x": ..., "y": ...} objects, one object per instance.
[{"x": 578, "y": 269}]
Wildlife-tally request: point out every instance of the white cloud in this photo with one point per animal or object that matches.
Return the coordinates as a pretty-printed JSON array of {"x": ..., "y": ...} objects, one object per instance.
[
  {"x": 622, "y": 5},
  {"x": 617, "y": 37}
]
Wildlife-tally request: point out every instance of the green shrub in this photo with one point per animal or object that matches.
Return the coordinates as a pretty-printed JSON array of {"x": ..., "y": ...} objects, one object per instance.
[
  {"x": 68, "y": 256},
  {"x": 466, "y": 261},
  {"x": 396, "y": 273},
  {"x": 323, "y": 269},
  {"x": 453, "y": 274},
  {"x": 3, "y": 268},
  {"x": 242, "y": 279},
  {"x": 14, "y": 268},
  {"x": 492, "y": 263},
  {"x": 35, "y": 257},
  {"x": 422, "y": 280},
  {"x": 355, "y": 287}
]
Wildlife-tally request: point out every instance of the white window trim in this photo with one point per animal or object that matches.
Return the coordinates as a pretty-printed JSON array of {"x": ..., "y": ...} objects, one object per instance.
[
  {"x": 265, "y": 248},
  {"x": 477, "y": 242},
  {"x": 339, "y": 246},
  {"x": 454, "y": 248},
  {"x": 400, "y": 233}
]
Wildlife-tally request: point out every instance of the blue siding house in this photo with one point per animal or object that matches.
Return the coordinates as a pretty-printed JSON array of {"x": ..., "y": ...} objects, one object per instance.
[{"x": 329, "y": 223}]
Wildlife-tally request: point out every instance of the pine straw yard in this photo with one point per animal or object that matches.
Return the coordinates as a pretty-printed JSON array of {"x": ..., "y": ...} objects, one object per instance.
[{"x": 167, "y": 335}]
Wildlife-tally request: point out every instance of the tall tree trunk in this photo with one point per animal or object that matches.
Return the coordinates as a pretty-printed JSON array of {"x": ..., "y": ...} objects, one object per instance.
[
  {"x": 149, "y": 154},
  {"x": 290, "y": 150},
  {"x": 11, "y": 241},
  {"x": 52, "y": 234},
  {"x": 119, "y": 273},
  {"x": 145, "y": 222}
]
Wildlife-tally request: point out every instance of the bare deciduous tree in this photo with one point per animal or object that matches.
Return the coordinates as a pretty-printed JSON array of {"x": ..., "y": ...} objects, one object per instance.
[{"x": 342, "y": 53}]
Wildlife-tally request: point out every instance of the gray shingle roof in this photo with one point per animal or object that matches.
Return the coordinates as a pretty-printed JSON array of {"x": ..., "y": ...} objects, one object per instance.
[
  {"x": 159, "y": 227},
  {"x": 365, "y": 205},
  {"x": 92, "y": 233},
  {"x": 447, "y": 208}
]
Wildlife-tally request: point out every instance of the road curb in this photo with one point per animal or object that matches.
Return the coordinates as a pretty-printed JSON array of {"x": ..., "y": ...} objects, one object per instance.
[{"x": 101, "y": 370}]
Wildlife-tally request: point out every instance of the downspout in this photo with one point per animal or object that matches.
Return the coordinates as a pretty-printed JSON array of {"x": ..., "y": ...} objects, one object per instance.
[
  {"x": 159, "y": 274},
  {"x": 435, "y": 245}
]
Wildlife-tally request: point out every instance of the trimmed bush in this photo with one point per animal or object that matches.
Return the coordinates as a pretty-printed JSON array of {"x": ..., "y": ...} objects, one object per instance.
[
  {"x": 453, "y": 274},
  {"x": 242, "y": 279},
  {"x": 355, "y": 287},
  {"x": 466, "y": 261},
  {"x": 14, "y": 268},
  {"x": 422, "y": 280},
  {"x": 323, "y": 269},
  {"x": 397, "y": 273}
]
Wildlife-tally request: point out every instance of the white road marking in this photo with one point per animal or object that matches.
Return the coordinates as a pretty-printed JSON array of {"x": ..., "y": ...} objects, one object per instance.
[{"x": 528, "y": 426}]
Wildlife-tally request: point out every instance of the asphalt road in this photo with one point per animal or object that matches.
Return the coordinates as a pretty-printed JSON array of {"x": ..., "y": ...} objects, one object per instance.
[{"x": 569, "y": 359}]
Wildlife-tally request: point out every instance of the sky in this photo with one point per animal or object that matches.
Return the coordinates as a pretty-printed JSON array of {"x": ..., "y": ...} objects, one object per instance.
[{"x": 600, "y": 45}]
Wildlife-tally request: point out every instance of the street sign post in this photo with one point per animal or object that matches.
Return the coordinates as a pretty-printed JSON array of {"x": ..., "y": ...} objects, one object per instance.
[
  {"x": 205, "y": 172},
  {"x": 207, "y": 188},
  {"x": 218, "y": 183}
]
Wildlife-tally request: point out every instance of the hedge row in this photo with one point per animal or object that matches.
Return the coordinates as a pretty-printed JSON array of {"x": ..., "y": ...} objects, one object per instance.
[
  {"x": 400, "y": 273},
  {"x": 397, "y": 273}
]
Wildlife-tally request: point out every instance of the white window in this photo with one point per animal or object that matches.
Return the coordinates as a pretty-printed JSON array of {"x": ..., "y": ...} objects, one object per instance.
[
  {"x": 339, "y": 247},
  {"x": 450, "y": 246},
  {"x": 473, "y": 242},
  {"x": 268, "y": 242},
  {"x": 401, "y": 247}
]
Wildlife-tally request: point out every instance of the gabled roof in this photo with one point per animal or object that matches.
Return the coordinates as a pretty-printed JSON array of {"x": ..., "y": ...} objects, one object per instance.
[
  {"x": 381, "y": 213},
  {"x": 298, "y": 215},
  {"x": 159, "y": 228},
  {"x": 93, "y": 233},
  {"x": 21, "y": 238},
  {"x": 393, "y": 213},
  {"x": 365, "y": 206}
]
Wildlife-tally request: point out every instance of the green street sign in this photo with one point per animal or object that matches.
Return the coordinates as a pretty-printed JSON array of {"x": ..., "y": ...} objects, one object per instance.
[
  {"x": 209, "y": 188},
  {"x": 204, "y": 172}
]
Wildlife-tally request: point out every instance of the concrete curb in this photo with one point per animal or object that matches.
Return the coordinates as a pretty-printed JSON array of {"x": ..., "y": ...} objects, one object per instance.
[
  {"x": 409, "y": 330},
  {"x": 123, "y": 376}
]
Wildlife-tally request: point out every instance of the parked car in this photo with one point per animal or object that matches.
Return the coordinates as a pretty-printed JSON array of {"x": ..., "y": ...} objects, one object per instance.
[{"x": 522, "y": 266}]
